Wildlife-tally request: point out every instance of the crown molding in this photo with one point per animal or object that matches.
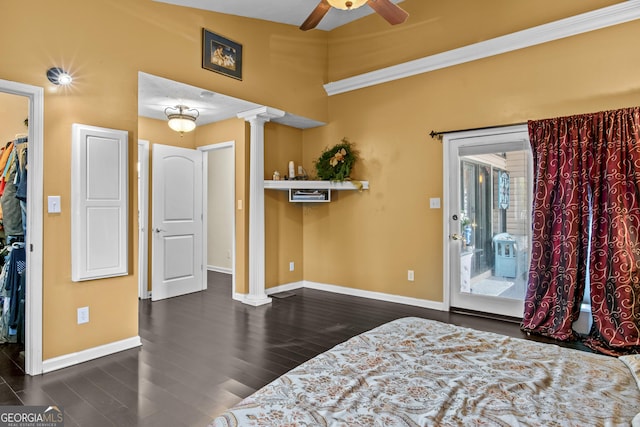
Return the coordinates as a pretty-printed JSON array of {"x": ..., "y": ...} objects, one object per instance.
[
  {"x": 263, "y": 113},
  {"x": 583, "y": 23}
]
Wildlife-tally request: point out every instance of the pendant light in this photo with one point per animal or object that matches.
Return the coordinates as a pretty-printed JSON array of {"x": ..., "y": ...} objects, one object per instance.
[{"x": 181, "y": 118}]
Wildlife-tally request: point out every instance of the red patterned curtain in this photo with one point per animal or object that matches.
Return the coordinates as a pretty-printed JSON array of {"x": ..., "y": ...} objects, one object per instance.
[
  {"x": 586, "y": 165},
  {"x": 560, "y": 219}
]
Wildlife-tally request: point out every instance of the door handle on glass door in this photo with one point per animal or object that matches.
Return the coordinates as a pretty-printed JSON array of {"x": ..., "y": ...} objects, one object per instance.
[{"x": 456, "y": 236}]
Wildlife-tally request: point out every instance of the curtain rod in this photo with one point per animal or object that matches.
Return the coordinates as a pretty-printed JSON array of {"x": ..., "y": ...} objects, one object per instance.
[{"x": 438, "y": 135}]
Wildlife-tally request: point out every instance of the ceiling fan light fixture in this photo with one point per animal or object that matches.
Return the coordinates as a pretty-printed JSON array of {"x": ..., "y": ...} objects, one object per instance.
[
  {"x": 181, "y": 118},
  {"x": 347, "y": 4}
]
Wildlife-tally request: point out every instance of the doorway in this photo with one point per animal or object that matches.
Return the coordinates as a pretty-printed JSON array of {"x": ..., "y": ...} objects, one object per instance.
[
  {"x": 33, "y": 220},
  {"x": 220, "y": 226},
  {"x": 487, "y": 221},
  {"x": 177, "y": 215},
  {"x": 155, "y": 94}
]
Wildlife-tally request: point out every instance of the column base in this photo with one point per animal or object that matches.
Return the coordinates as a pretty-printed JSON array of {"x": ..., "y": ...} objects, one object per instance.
[{"x": 256, "y": 300}]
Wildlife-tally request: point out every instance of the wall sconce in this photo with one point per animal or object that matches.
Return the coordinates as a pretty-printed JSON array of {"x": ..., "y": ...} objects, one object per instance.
[
  {"x": 59, "y": 77},
  {"x": 181, "y": 118}
]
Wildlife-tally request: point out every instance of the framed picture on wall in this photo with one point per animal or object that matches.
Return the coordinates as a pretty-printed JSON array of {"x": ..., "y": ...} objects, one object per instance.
[{"x": 221, "y": 55}]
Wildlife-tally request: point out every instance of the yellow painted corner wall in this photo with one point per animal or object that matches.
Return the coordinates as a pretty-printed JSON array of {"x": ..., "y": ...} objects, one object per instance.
[
  {"x": 104, "y": 44},
  {"x": 371, "y": 239},
  {"x": 433, "y": 27},
  {"x": 283, "y": 220}
]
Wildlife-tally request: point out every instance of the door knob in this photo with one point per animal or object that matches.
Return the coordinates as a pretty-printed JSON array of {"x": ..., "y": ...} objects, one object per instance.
[
  {"x": 456, "y": 236},
  {"x": 158, "y": 230}
]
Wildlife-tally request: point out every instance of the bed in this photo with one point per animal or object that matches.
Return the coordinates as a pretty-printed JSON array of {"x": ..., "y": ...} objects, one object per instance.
[{"x": 418, "y": 372}]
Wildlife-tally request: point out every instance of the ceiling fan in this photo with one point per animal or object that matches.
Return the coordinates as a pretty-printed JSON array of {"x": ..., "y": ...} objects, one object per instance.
[{"x": 389, "y": 11}]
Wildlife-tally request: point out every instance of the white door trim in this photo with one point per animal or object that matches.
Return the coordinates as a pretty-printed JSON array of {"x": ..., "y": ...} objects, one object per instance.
[
  {"x": 33, "y": 296},
  {"x": 143, "y": 225},
  {"x": 205, "y": 149},
  {"x": 447, "y": 191}
]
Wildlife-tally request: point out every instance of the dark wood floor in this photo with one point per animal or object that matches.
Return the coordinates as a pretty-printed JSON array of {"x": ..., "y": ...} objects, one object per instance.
[{"x": 204, "y": 352}]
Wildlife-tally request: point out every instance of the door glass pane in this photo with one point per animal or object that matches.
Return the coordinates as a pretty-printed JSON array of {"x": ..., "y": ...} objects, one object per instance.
[{"x": 495, "y": 223}]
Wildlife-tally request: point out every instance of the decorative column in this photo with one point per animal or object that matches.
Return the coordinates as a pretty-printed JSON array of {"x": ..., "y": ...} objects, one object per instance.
[{"x": 257, "y": 118}]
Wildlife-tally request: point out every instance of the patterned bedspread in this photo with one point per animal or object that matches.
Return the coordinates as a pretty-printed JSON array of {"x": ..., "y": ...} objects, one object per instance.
[{"x": 417, "y": 372}]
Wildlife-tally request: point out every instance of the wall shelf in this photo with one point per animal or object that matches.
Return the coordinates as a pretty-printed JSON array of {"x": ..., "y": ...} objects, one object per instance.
[{"x": 312, "y": 185}]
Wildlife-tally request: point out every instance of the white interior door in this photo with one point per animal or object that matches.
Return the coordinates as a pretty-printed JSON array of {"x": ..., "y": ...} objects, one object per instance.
[
  {"x": 488, "y": 223},
  {"x": 177, "y": 222}
]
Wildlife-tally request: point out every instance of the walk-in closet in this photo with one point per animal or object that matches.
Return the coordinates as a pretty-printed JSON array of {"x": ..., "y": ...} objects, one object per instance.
[{"x": 14, "y": 146}]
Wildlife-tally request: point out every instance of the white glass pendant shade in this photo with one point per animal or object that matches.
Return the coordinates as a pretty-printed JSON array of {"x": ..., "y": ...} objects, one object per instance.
[
  {"x": 182, "y": 124},
  {"x": 346, "y": 4},
  {"x": 182, "y": 118}
]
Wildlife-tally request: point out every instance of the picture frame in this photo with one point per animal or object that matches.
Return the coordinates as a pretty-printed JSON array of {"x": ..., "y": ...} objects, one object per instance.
[{"x": 221, "y": 55}]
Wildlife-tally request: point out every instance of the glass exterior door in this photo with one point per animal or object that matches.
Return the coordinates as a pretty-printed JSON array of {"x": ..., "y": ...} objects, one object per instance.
[{"x": 489, "y": 211}]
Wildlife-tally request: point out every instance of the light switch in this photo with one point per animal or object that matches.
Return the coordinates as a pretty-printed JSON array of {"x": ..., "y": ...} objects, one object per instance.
[
  {"x": 434, "y": 203},
  {"x": 54, "y": 204}
]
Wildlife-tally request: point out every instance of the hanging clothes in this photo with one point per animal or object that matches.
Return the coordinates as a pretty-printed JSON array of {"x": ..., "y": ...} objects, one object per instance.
[
  {"x": 21, "y": 181},
  {"x": 4, "y": 159},
  {"x": 21, "y": 174},
  {"x": 17, "y": 265},
  {"x": 13, "y": 197},
  {"x": 11, "y": 210}
]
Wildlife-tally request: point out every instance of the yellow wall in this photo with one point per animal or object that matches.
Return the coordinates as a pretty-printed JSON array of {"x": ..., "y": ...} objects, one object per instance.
[
  {"x": 363, "y": 240},
  {"x": 283, "y": 220},
  {"x": 104, "y": 43},
  {"x": 370, "y": 240},
  {"x": 437, "y": 26},
  {"x": 13, "y": 110}
]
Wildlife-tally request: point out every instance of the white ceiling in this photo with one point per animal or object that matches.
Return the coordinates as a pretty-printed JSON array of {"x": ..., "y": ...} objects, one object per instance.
[
  {"x": 155, "y": 93},
  {"x": 292, "y": 12}
]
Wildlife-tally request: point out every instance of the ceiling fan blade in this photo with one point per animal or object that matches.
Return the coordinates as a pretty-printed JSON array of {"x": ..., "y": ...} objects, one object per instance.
[
  {"x": 316, "y": 16},
  {"x": 393, "y": 13}
]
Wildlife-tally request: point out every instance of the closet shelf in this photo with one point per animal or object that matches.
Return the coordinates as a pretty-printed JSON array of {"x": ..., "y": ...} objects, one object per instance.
[{"x": 313, "y": 185}]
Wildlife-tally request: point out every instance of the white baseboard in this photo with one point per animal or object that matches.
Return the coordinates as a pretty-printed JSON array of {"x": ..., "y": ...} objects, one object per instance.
[
  {"x": 224, "y": 270},
  {"x": 434, "y": 305},
  {"x": 71, "y": 359},
  {"x": 286, "y": 287}
]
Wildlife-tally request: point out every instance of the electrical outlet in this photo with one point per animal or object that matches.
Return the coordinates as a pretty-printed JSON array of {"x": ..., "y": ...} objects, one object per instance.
[
  {"x": 83, "y": 315},
  {"x": 410, "y": 275},
  {"x": 292, "y": 266}
]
